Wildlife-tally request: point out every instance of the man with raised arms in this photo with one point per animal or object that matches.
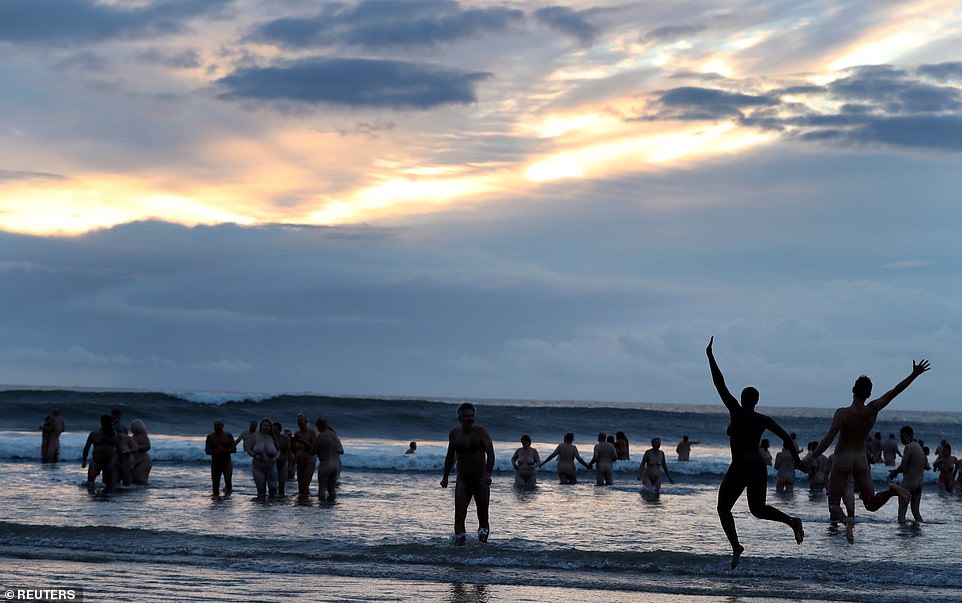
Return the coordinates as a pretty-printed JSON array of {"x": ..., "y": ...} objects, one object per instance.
[
  {"x": 469, "y": 445},
  {"x": 852, "y": 425},
  {"x": 748, "y": 469}
]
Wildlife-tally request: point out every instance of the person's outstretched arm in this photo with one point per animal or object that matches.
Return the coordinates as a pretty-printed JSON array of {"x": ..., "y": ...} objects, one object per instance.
[
  {"x": 719, "y": 380},
  {"x": 550, "y": 456},
  {"x": 488, "y": 452},
  {"x": 883, "y": 400},
  {"x": 448, "y": 460},
  {"x": 787, "y": 442},
  {"x": 664, "y": 465},
  {"x": 829, "y": 437}
]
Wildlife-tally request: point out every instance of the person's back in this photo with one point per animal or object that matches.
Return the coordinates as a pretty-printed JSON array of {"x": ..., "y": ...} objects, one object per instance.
[
  {"x": 784, "y": 471},
  {"x": 890, "y": 450},
  {"x": 604, "y": 457}
]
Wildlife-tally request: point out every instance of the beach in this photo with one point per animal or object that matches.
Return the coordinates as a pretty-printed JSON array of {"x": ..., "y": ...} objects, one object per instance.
[{"x": 388, "y": 536}]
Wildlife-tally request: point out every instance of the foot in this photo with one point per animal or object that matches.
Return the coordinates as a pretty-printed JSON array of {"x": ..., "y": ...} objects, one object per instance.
[
  {"x": 850, "y": 530},
  {"x": 483, "y": 535},
  {"x": 460, "y": 539},
  {"x": 737, "y": 555},
  {"x": 799, "y": 531}
]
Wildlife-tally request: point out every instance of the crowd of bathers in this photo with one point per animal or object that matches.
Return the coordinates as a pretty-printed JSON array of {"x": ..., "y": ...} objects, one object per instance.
[{"x": 120, "y": 455}]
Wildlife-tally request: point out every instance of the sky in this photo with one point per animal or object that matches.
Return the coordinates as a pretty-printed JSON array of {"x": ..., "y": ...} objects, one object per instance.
[{"x": 482, "y": 199}]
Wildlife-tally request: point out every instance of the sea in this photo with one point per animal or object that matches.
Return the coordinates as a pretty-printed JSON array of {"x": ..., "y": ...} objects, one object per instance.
[{"x": 389, "y": 534}]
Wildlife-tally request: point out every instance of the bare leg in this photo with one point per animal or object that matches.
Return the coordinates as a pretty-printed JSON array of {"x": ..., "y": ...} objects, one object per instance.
[
  {"x": 728, "y": 493},
  {"x": 461, "y": 499},
  {"x": 756, "y": 504}
]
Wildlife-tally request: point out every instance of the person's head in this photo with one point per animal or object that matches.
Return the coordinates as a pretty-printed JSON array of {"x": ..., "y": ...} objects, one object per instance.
[
  {"x": 253, "y": 426},
  {"x": 812, "y": 446},
  {"x": 106, "y": 423},
  {"x": 906, "y": 434},
  {"x": 601, "y": 436},
  {"x": 115, "y": 414},
  {"x": 218, "y": 426},
  {"x": 764, "y": 443},
  {"x": 684, "y": 437},
  {"x": 749, "y": 398},
  {"x": 321, "y": 423},
  {"x": 569, "y": 437},
  {"x": 278, "y": 428},
  {"x": 656, "y": 443},
  {"x": 946, "y": 449},
  {"x": 891, "y": 436},
  {"x": 862, "y": 388},
  {"x": 525, "y": 441},
  {"x": 466, "y": 415},
  {"x": 413, "y": 445},
  {"x": 301, "y": 422},
  {"x": 621, "y": 436},
  {"x": 610, "y": 439},
  {"x": 266, "y": 426},
  {"x": 56, "y": 412},
  {"x": 137, "y": 426}
]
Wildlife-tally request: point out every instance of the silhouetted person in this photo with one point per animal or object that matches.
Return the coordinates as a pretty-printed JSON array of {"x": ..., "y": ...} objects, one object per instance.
[
  {"x": 567, "y": 454},
  {"x": 525, "y": 462},
  {"x": 912, "y": 469},
  {"x": 763, "y": 449},
  {"x": 220, "y": 445},
  {"x": 104, "y": 459},
  {"x": 469, "y": 445},
  {"x": 604, "y": 457},
  {"x": 747, "y": 469},
  {"x": 651, "y": 466},
  {"x": 263, "y": 450},
  {"x": 785, "y": 463},
  {"x": 683, "y": 449},
  {"x": 51, "y": 429},
  {"x": 327, "y": 448},
  {"x": 817, "y": 469},
  {"x": 890, "y": 450},
  {"x": 302, "y": 445},
  {"x": 245, "y": 437},
  {"x": 621, "y": 445},
  {"x": 141, "y": 445},
  {"x": 945, "y": 464},
  {"x": 412, "y": 448},
  {"x": 873, "y": 448},
  {"x": 852, "y": 424}
]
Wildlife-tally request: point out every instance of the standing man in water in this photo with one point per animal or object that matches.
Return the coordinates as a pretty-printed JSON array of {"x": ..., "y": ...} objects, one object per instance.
[
  {"x": 748, "y": 468},
  {"x": 852, "y": 425},
  {"x": 470, "y": 445},
  {"x": 220, "y": 446},
  {"x": 50, "y": 439}
]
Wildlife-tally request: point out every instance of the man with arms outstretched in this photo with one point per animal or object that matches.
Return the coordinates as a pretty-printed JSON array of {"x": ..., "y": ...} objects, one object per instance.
[
  {"x": 852, "y": 424},
  {"x": 470, "y": 445}
]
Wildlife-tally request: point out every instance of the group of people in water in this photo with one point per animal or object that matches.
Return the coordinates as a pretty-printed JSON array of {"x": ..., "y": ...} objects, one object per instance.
[
  {"x": 119, "y": 455},
  {"x": 278, "y": 456}
]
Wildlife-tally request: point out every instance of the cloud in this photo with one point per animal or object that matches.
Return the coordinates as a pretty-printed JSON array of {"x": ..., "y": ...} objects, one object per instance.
[
  {"x": 352, "y": 82},
  {"x": 869, "y": 106},
  {"x": 379, "y": 24},
  {"x": 569, "y": 22},
  {"x": 180, "y": 59},
  {"x": 670, "y": 33},
  {"x": 58, "y": 23}
]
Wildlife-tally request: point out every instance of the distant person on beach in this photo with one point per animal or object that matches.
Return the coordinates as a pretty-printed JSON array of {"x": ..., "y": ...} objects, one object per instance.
[
  {"x": 245, "y": 437},
  {"x": 525, "y": 462},
  {"x": 412, "y": 447},
  {"x": 763, "y": 449},
  {"x": 652, "y": 464},
  {"x": 621, "y": 445},
  {"x": 263, "y": 450},
  {"x": 890, "y": 450},
  {"x": 817, "y": 469},
  {"x": 785, "y": 463},
  {"x": 604, "y": 458},
  {"x": 284, "y": 457},
  {"x": 852, "y": 424},
  {"x": 683, "y": 449},
  {"x": 945, "y": 464},
  {"x": 104, "y": 459},
  {"x": 873, "y": 448},
  {"x": 567, "y": 453},
  {"x": 50, "y": 430},
  {"x": 220, "y": 445},
  {"x": 912, "y": 469},
  {"x": 302, "y": 445},
  {"x": 470, "y": 445},
  {"x": 798, "y": 447},
  {"x": 327, "y": 448},
  {"x": 747, "y": 469},
  {"x": 141, "y": 444}
]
